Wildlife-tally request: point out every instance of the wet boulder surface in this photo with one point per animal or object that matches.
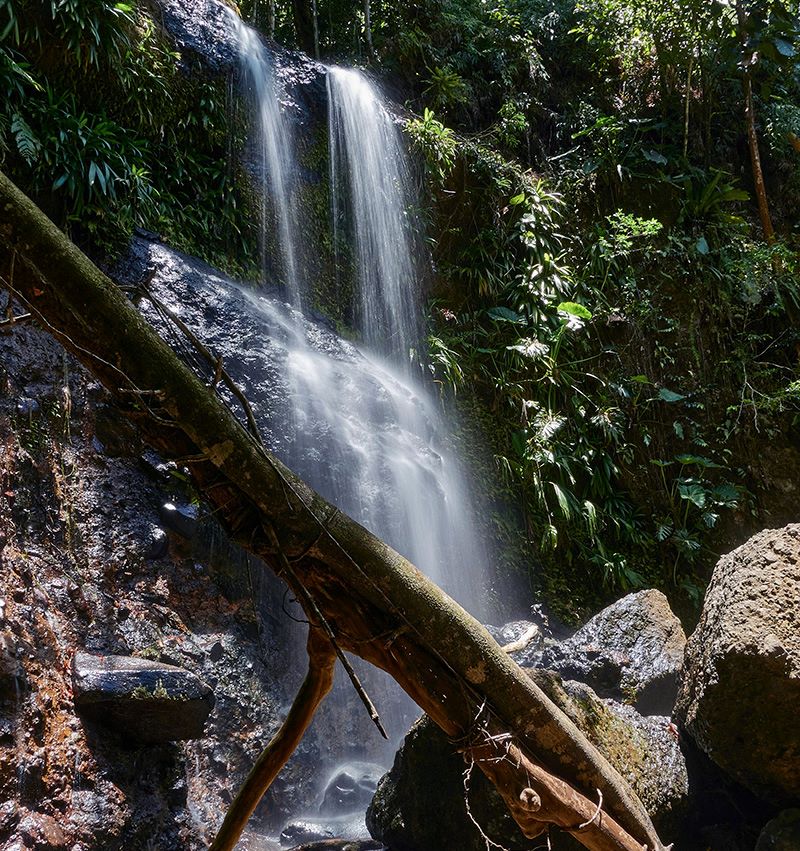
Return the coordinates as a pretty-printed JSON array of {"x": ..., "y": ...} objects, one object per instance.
[
  {"x": 430, "y": 799},
  {"x": 781, "y": 833},
  {"x": 631, "y": 651},
  {"x": 740, "y": 687},
  {"x": 145, "y": 702}
]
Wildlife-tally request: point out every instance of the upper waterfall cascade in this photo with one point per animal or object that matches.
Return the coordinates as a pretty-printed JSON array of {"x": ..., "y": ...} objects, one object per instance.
[
  {"x": 274, "y": 159},
  {"x": 371, "y": 195},
  {"x": 367, "y": 433}
]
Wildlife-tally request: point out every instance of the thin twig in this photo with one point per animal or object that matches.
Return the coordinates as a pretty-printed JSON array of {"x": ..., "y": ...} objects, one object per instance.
[
  {"x": 8, "y": 324},
  {"x": 490, "y": 843},
  {"x": 306, "y": 594},
  {"x": 596, "y": 812}
]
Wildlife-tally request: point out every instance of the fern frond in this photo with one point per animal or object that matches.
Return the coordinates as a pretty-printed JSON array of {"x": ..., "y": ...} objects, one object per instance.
[{"x": 27, "y": 143}]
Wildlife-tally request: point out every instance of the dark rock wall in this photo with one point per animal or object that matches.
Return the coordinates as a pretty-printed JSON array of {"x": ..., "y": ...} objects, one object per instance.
[{"x": 86, "y": 564}]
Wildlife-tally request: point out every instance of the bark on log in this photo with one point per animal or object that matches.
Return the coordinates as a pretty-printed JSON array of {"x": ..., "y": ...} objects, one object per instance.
[{"x": 379, "y": 605}]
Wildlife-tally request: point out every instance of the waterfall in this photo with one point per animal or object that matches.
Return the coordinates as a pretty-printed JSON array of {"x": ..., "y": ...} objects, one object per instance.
[
  {"x": 370, "y": 193},
  {"x": 273, "y": 152},
  {"x": 359, "y": 424}
]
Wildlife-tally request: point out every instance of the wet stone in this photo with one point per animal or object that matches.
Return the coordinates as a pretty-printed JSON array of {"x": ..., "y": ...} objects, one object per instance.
[
  {"x": 145, "y": 702},
  {"x": 26, "y": 407},
  {"x": 782, "y": 833},
  {"x": 351, "y": 788},
  {"x": 181, "y": 519},
  {"x": 304, "y": 832},
  {"x": 42, "y": 831}
]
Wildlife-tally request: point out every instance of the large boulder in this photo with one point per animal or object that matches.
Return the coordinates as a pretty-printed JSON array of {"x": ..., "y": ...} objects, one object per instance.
[
  {"x": 420, "y": 803},
  {"x": 145, "y": 702},
  {"x": 631, "y": 651},
  {"x": 740, "y": 688},
  {"x": 781, "y": 833}
]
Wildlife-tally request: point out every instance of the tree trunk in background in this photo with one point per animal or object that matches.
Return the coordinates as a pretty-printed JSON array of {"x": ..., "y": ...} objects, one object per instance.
[
  {"x": 368, "y": 28},
  {"x": 378, "y": 605},
  {"x": 748, "y": 60},
  {"x": 315, "y": 18},
  {"x": 755, "y": 161},
  {"x": 304, "y": 26}
]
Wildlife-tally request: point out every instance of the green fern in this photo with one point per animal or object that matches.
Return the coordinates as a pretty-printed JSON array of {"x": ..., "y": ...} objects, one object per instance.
[{"x": 27, "y": 143}]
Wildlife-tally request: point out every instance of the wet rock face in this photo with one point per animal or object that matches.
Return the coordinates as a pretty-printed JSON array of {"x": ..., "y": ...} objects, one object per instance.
[
  {"x": 145, "y": 702},
  {"x": 741, "y": 685},
  {"x": 203, "y": 30},
  {"x": 88, "y": 564},
  {"x": 420, "y": 804},
  {"x": 631, "y": 651},
  {"x": 341, "y": 813},
  {"x": 351, "y": 788}
]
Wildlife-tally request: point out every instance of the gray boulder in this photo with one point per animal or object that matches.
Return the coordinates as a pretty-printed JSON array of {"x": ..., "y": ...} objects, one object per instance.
[
  {"x": 631, "y": 651},
  {"x": 741, "y": 685},
  {"x": 351, "y": 788},
  {"x": 203, "y": 28},
  {"x": 145, "y": 702}
]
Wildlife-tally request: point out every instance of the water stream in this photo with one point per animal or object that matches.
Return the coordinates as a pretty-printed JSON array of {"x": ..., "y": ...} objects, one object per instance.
[
  {"x": 274, "y": 160},
  {"x": 371, "y": 200}
]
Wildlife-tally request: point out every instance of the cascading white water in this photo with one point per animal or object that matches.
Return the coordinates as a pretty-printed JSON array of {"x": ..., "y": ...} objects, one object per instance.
[
  {"x": 371, "y": 198},
  {"x": 372, "y": 441},
  {"x": 361, "y": 427},
  {"x": 273, "y": 150}
]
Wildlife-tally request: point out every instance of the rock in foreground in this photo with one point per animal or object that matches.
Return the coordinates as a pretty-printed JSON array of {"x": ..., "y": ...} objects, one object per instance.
[
  {"x": 631, "y": 651},
  {"x": 145, "y": 702},
  {"x": 741, "y": 685}
]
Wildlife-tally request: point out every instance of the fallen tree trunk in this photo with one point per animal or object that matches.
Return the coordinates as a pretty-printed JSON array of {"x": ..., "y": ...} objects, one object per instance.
[{"x": 378, "y": 605}]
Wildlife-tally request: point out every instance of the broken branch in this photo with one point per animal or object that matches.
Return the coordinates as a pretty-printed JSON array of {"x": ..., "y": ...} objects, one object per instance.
[{"x": 317, "y": 684}]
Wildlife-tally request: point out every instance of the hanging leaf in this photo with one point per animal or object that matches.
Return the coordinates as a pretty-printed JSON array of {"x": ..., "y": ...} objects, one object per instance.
[
  {"x": 692, "y": 492},
  {"x": 668, "y": 395},
  {"x": 659, "y": 463},
  {"x": 27, "y": 143},
  {"x": 725, "y": 495},
  {"x": 698, "y": 461},
  {"x": 702, "y": 246},
  {"x": 663, "y": 530},
  {"x": 654, "y": 157}
]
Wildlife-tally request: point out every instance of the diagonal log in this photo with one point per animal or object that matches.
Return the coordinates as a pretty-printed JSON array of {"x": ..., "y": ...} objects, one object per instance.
[{"x": 378, "y": 604}]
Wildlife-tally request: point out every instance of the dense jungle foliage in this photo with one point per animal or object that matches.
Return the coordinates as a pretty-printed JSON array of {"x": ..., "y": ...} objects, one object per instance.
[{"x": 616, "y": 290}]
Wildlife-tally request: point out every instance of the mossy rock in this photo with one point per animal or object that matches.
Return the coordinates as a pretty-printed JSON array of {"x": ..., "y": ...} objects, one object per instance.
[{"x": 420, "y": 803}]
